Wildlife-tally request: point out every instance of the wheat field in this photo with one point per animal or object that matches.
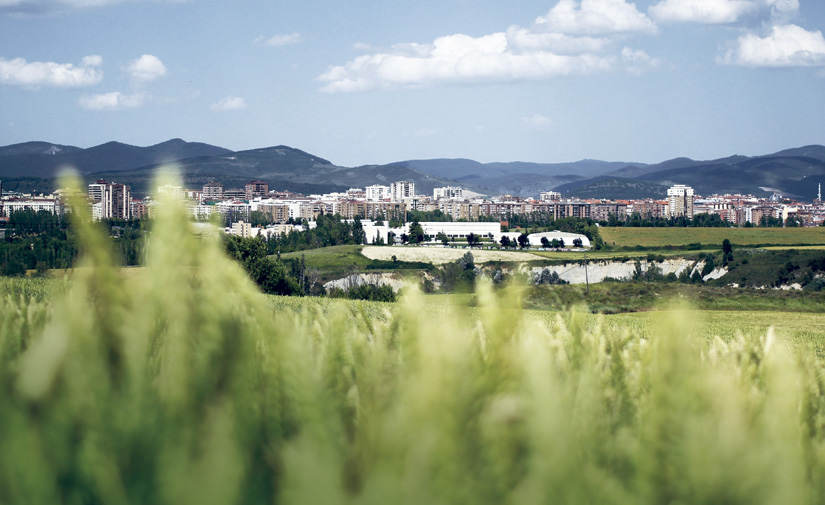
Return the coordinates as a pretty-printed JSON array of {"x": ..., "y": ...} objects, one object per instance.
[{"x": 186, "y": 385}]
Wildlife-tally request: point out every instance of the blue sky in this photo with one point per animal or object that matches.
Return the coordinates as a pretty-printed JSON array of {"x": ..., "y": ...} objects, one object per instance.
[{"x": 376, "y": 81}]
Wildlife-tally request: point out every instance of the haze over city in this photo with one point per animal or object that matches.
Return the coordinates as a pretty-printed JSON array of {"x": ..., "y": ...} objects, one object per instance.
[{"x": 376, "y": 82}]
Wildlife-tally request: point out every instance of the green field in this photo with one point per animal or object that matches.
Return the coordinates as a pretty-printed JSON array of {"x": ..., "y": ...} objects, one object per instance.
[
  {"x": 338, "y": 261},
  {"x": 655, "y": 238},
  {"x": 329, "y": 258},
  {"x": 184, "y": 384}
]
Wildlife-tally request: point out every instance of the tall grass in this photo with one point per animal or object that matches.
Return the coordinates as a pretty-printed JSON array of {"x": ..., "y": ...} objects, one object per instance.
[{"x": 185, "y": 385}]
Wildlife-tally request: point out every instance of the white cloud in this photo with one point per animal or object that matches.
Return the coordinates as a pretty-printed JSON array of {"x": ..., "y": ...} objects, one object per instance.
[
  {"x": 536, "y": 120},
  {"x": 111, "y": 101},
  {"x": 721, "y": 11},
  {"x": 701, "y": 11},
  {"x": 61, "y": 75},
  {"x": 574, "y": 38},
  {"x": 456, "y": 58},
  {"x": 595, "y": 17},
  {"x": 229, "y": 103},
  {"x": 786, "y": 46},
  {"x": 522, "y": 39},
  {"x": 280, "y": 40},
  {"x": 637, "y": 61},
  {"x": 147, "y": 68}
]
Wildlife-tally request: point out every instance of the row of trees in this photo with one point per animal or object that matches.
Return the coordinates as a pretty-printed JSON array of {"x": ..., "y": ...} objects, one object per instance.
[
  {"x": 42, "y": 241},
  {"x": 635, "y": 220},
  {"x": 330, "y": 230}
]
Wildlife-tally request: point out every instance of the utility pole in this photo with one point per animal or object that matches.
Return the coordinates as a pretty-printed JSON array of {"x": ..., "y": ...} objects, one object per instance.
[{"x": 586, "y": 278}]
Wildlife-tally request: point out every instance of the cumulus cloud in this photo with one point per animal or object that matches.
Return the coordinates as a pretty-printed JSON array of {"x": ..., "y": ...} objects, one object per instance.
[
  {"x": 111, "y": 101},
  {"x": 637, "y": 61},
  {"x": 35, "y": 74},
  {"x": 525, "y": 40},
  {"x": 536, "y": 120},
  {"x": 147, "y": 68},
  {"x": 576, "y": 37},
  {"x": 786, "y": 46},
  {"x": 229, "y": 103},
  {"x": 50, "y": 6},
  {"x": 595, "y": 17},
  {"x": 279, "y": 40},
  {"x": 721, "y": 11},
  {"x": 457, "y": 58}
]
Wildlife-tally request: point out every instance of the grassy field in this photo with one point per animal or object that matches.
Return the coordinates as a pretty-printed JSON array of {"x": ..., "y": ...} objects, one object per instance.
[
  {"x": 338, "y": 261},
  {"x": 186, "y": 385},
  {"x": 746, "y": 237},
  {"x": 329, "y": 258}
]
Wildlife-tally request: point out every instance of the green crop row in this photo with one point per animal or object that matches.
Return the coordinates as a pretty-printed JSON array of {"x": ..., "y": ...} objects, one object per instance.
[{"x": 186, "y": 385}]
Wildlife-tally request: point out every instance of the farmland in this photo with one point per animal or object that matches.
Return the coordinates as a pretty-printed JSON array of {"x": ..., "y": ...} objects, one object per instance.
[
  {"x": 655, "y": 238},
  {"x": 186, "y": 385}
]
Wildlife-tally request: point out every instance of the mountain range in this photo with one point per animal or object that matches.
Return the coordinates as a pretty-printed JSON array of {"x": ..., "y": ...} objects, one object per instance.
[{"x": 35, "y": 166}]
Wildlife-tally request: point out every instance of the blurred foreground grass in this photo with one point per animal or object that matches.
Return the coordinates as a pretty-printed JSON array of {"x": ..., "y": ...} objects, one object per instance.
[{"x": 185, "y": 385}]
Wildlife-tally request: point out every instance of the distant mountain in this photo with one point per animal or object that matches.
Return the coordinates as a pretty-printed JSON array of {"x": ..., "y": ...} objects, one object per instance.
[
  {"x": 282, "y": 167},
  {"x": 793, "y": 172},
  {"x": 458, "y": 168},
  {"x": 518, "y": 177},
  {"x": 37, "y": 148},
  {"x": 33, "y": 166},
  {"x": 613, "y": 188},
  {"x": 44, "y": 160},
  {"x": 521, "y": 184}
]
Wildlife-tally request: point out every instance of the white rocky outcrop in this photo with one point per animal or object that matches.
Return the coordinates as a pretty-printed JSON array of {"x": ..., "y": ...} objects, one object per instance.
[
  {"x": 377, "y": 279},
  {"x": 597, "y": 271}
]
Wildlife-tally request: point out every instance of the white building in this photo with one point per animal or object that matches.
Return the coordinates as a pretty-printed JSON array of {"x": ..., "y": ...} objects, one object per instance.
[
  {"x": 241, "y": 229},
  {"x": 96, "y": 190},
  {"x": 680, "y": 201},
  {"x": 401, "y": 190},
  {"x": 50, "y": 205},
  {"x": 176, "y": 192},
  {"x": 448, "y": 193},
  {"x": 377, "y": 192},
  {"x": 456, "y": 230},
  {"x": 200, "y": 211},
  {"x": 115, "y": 199},
  {"x": 549, "y": 196}
]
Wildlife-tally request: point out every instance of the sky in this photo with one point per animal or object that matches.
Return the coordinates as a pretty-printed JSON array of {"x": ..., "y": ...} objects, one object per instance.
[{"x": 378, "y": 81}]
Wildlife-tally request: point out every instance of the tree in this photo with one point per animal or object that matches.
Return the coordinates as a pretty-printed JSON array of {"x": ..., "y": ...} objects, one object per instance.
[
  {"x": 554, "y": 243},
  {"x": 505, "y": 241},
  {"x": 561, "y": 243},
  {"x": 577, "y": 242},
  {"x": 443, "y": 238},
  {"x": 416, "y": 233},
  {"x": 523, "y": 241},
  {"x": 544, "y": 242},
  {"x": 472, "y": 239},
  {"x": 727, "y": 252}
]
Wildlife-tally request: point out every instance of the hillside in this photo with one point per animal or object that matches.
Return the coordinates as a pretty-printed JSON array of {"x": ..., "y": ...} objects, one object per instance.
[
  {"x": 283, "y": 167},
  {"x": 793, "y": 172},
  {"x": 516, "y": 178},
  {"x": 612, "y": 187},
  {"x": 43, "y": 159},
  {"x": 33, "y": 166}
]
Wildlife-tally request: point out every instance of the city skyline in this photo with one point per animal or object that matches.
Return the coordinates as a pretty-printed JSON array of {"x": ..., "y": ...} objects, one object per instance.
[{"x": 547, "y": 81}]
